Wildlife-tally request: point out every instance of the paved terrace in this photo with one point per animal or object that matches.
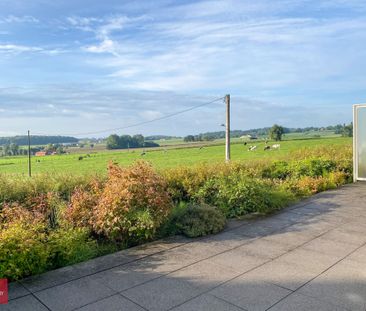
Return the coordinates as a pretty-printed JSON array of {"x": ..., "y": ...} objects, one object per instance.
[{"x": 311, "y": 256}]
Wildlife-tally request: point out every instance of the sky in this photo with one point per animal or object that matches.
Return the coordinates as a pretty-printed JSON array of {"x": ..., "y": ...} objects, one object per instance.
[{"x": 85, "y": 66}]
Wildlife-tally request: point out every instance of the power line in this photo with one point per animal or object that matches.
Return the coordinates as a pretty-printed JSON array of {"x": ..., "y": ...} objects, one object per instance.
[{"x": 144, "y": 122}]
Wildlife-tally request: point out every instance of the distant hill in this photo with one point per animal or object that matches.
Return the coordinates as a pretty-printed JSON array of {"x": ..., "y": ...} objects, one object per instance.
[{"x": 37, "y": 140}]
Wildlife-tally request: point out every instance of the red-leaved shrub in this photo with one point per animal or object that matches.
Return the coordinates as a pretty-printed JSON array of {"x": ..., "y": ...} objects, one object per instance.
[{"x": 130, "y": 205}]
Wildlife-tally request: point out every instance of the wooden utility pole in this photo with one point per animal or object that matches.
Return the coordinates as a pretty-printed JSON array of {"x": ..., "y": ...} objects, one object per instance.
[
  {"x": 29, "y": 157},
  {"x": 227, "y": 145}
]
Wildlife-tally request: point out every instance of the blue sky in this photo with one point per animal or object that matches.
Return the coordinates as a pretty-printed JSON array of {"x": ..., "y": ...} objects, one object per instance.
[{"x": 70, "y": 67}]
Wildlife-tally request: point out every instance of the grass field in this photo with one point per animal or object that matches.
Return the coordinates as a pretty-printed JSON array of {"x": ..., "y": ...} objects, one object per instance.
[{"x": 160, "y": 157}]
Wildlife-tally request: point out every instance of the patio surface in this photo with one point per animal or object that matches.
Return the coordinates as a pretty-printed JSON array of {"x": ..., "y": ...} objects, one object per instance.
[{"x": 311, "y": 256}]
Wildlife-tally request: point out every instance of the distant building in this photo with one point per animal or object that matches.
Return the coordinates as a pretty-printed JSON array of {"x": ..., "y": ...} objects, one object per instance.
[
  {"x": 41, "y": 153},
  {"x": 251, "y": 137},
  {"x": 44, "y": 153}
]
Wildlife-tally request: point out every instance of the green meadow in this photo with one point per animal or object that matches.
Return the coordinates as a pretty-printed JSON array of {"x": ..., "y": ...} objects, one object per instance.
[{"x": 164, "y": 157}]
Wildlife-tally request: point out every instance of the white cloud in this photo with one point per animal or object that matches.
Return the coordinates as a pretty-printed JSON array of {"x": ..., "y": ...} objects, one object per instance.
[
  {"x": 18, "y": 19},
  {"x": 14, "y": 48},
  {"x": 150, "y": 114}
]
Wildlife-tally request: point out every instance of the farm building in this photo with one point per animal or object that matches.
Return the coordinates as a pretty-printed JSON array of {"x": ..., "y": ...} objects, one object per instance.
[{"x": 42, "y": 153}]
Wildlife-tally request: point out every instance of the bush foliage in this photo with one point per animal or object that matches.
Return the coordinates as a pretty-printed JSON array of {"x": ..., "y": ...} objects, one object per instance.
[
  {"x": 52, "y": 221},
  {"x": 199, "y": 220}
]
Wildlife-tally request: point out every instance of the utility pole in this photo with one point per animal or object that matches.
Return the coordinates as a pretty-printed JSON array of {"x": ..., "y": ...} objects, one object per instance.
[
  {"x": 29, "y": 157},
  {"x": 227, "y": 145}
]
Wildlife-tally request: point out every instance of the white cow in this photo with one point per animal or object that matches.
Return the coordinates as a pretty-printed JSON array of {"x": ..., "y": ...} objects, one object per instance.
[
  {"x": 252, "y": 148},
  {"x": 276, "y": 146}
]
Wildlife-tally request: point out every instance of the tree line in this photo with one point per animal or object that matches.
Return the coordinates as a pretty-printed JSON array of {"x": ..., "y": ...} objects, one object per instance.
[
  {"x": 275, "y": 132},
  {"x": 126, "y": 141},
  {"x": 37, "y": 140}
]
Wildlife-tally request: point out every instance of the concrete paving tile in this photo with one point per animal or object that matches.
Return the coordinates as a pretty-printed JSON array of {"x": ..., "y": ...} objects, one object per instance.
[
  {"x": 238, "y": 260},
  {"x": 51, "y": 278},
  {"x": 167, "y": 261},
  {"x": 249, "y": 293},
  {"x": 125, "y": 277},
  {"x": 226, "y": 240},
  {"x": 314, "y": 227},
  {"x": 162, "y": 294},
  {"x": 354, "y": 227},
  {"x": 343, "y": 285},
  {"x": 207, "y": 303},
  {"x": 297, "y": 302},
  {"x": 74, "y": 294},
  {"x": 281, "y": 273},
  {"x": 63, "y": 275},
  {"x": 291, "y": 217},
  {"x": 146, "y": 249},
  {"x": 292, "y": 237},
  {"x": 329, "y": 247},
  {"x": 255, "y": 230},
  {"x": 264, "y": 248},
  {"x": 311, "y": 209},
  {"x": 346, "y": 237},
  {"x": 309, "y": 260},
  {"x": 113, "y": 303},
  {"x": 235, "y": 223},
  {"x": 277, "y": 222},
  {"x": 204, "y": 274},
  {"x": 17, "y": 290},
  {"x": 101, "y": 263},
  {"x": 359, "y": 255},
  {"x": 26, "y": 303}
]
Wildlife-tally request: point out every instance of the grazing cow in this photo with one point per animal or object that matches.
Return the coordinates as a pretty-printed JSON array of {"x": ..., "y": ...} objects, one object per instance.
[
  {"x": 245, "y": 143},
  {"x": 143, "y": 153},
  {"x": 267, "y": 148},
  {"x": 276, "y": 146},
  {"x": 252, "y": 148}
]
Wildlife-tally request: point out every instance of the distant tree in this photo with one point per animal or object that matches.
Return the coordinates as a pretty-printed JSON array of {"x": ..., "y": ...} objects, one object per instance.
[
  {"x": 60, "y": 150},
  {"x": 126, "y": 141},
  {"x": 139, "y": 140},
  {"x": 7, "y": 150},
  {"x": 113, "y": 142},
  {"x": 347, "y": 130},
  {"x": 189, "y": 138},
  {"x": 14, "y": 149},
  {"x": 276, "y": 132}
]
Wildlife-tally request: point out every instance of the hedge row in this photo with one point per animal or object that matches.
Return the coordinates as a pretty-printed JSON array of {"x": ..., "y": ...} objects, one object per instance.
[{"x": 49, "y": 222}]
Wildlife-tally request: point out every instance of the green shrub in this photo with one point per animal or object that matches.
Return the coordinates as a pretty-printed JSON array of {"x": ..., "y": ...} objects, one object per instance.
[
  {"x": 68, "y": 246},
  {"x": 22, "y": 251},
  {"x": 238, "y": 195},
  {"x": 22, "y": 243},
  {"x": 197, "y": 220},
  {"x": 278, "y": 169}
]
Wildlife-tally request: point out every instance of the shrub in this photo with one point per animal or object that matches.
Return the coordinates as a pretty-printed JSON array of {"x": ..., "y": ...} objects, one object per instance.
[
  {"x": 80, "y": 210},
  {"x": 237, "y": 195},
  {"x": 22, "y": 243},
  {"x": 193, "y": 220},
  {"x": 133, "y": 203},
  {"x": 70, "y": 245}
]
